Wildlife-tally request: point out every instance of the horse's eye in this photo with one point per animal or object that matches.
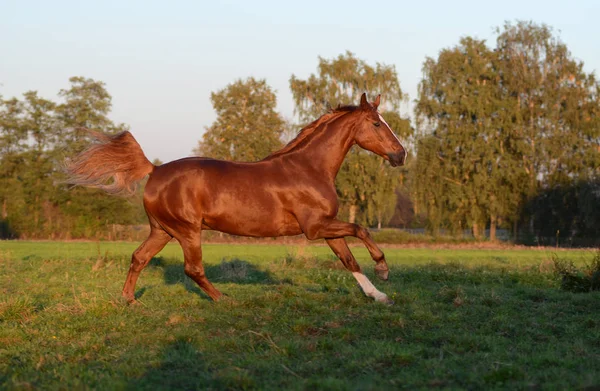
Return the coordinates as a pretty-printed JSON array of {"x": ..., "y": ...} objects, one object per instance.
[{"x": 378, "y": 124}]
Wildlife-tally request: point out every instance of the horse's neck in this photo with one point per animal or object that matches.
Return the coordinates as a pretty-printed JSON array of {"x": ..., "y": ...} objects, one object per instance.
[{"x": 326, "y": 149}]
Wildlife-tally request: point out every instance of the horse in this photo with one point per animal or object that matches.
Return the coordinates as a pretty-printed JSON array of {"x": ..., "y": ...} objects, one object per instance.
[{"x": 290, "y": 192}]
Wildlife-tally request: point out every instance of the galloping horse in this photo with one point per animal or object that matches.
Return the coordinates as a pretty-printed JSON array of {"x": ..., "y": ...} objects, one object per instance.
[{"x": 289, "y": 192}]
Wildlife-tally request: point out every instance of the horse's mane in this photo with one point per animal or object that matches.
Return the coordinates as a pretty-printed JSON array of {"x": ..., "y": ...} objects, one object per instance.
[{"x": 313, "y": 126}]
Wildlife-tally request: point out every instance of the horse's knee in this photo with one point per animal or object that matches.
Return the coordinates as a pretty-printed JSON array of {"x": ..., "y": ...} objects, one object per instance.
[{"x": 362, "y": 233}]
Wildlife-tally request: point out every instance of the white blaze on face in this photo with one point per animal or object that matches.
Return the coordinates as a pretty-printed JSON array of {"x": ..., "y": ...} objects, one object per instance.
[
  {"x": 392, "y": 132},
  {"x": 368, "y": 287}
]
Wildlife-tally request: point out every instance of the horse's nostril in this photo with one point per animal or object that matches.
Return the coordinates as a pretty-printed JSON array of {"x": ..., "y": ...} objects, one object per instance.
[{"x": 397, "y": 159}]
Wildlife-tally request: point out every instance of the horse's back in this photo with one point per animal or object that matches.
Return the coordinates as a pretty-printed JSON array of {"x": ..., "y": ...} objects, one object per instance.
[
  {"x": 193, "y": 171},
  {"x": 201, "y": 179}
]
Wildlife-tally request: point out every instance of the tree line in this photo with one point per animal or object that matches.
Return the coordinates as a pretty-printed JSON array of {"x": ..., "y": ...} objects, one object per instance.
[
  {"x": 36, "y": 135},
  {"x": 507, "y": 132},
  {"x": 503, "y": 137}
]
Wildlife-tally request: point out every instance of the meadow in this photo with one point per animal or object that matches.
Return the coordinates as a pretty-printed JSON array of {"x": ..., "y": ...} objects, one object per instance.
[{"x": 293, "y": 319}]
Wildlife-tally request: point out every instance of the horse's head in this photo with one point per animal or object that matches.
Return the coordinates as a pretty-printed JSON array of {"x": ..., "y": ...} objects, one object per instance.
[{"x": 375, "y": 135}]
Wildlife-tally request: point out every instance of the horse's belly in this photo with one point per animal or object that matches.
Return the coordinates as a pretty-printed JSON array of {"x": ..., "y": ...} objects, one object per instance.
[{"x": 253, "y": 223}]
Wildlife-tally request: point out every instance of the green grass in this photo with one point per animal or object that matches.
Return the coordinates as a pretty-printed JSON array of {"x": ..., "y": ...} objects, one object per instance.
[{"x": 293, "y": 319}]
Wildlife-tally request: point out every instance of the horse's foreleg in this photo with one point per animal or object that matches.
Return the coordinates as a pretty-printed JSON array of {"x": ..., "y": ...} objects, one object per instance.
[
  {"x": 340, "y": 248},
  {"x": 381, "y": 268},
  {"x": 155, "y": 242},
  {"x": 335, "y": 229},
  {"x": 192, "y": 253}
]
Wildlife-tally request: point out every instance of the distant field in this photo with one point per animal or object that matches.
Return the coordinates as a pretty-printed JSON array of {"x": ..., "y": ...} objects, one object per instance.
[{"x": 293, "y": 319}]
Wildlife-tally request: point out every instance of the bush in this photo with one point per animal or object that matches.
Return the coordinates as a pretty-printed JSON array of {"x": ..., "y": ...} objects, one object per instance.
[{"x": 574, "y": 279}]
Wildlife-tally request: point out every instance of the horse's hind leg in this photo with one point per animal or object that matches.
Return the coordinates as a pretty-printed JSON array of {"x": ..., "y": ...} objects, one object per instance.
[
  {"x": 155, "y": 242},
  {"x": 192, "y": 253}
]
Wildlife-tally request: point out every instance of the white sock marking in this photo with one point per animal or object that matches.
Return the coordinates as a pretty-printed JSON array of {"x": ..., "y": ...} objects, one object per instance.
[{"x": 368, "y": 287}]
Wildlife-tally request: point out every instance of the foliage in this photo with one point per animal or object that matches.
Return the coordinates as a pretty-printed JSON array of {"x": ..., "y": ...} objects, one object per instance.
[
  {"x": 569, "y": 212},
  {"x": 247, "y": 127},
  {"x": 574, "y": 279},
  {"x": 462, "y": 320},
  {"x": 457, "y": 99},
  {"x": 501, "y": 126},
  {"x": 341, "y": 81},
  {"x": 35, "y": 136},
  {"x": 552, "y": 106},
  {"x": 366, "y": 188}
]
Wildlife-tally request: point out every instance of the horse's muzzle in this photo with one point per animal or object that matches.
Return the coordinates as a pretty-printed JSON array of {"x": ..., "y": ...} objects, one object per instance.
[{"x": 397, "y": 158}]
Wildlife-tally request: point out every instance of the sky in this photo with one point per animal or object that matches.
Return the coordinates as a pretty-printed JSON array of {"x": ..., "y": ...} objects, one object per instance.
[{"x": 160, "y": 60}]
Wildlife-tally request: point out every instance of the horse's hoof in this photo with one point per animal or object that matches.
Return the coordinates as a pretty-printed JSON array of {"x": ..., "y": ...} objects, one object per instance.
[
  {"x": 222, "y": 298},
  {"x": 385, "y": 300},
  {"x": 382, "y": 274},
  {"x": 130, "y": 301}
]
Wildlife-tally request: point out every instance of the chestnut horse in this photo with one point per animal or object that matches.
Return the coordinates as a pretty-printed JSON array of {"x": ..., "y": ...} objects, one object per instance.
[{"x": 290, "y": 192}]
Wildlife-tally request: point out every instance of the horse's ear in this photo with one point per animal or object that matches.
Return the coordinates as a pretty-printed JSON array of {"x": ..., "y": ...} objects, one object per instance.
[
  {"x": 363, "y": 100},
  {"x": 377, "y": 100}
]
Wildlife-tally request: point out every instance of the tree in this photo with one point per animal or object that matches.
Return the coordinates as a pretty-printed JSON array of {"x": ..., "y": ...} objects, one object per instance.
[
  {"x": 551, "y": 110},
  {"x": 38, "y": 169},
  {"x": 35, "y": 136},
  {"x": 247, "y": 127},
  {"x": 87, "y": 104},
  {"x": 428, "y": 185},
  {"x": 457, "y": 101},
  {"x": 13, "y": 139},
  {"x": 341, "y": 81},
  {"x": 502, "y": 125}
]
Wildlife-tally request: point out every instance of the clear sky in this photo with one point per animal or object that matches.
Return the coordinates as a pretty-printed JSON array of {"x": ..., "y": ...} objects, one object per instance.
[{"x": 160, "y": 60}]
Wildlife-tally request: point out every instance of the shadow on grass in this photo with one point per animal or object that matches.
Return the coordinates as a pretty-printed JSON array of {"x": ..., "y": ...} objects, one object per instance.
[
  {"x": 182, "y": 367},
  {"x": 140, "y": 293},
  {"x": 234, "y": 271}
]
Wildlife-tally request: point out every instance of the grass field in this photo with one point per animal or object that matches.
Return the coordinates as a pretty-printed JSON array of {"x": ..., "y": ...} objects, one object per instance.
[{"x": 293, "y": 319}]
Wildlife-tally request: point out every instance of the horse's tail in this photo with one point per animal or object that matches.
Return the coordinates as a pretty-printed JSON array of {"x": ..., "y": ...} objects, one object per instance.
[{"x": 115, "y": 163}]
